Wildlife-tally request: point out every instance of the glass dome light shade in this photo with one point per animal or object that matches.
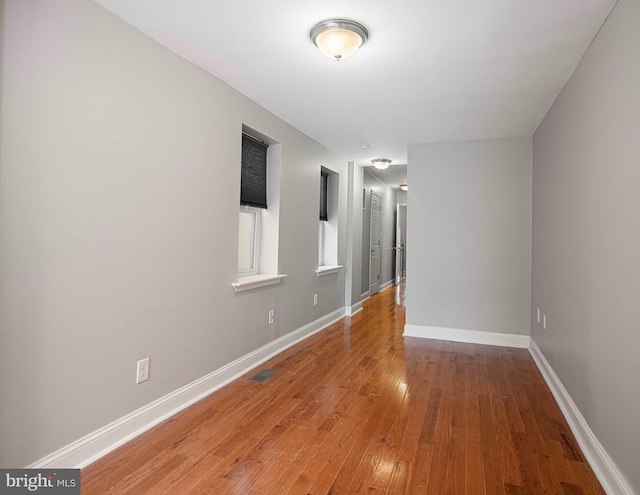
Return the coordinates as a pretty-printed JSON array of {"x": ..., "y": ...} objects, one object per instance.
[
  {"x": 339, "y": 39},
  {"x": 338, "y": 43},
  {"x": 381, "y": 163}
]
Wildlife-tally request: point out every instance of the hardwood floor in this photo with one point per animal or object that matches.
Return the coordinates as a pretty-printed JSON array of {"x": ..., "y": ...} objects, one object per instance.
[{"x": 357, "y": 408}]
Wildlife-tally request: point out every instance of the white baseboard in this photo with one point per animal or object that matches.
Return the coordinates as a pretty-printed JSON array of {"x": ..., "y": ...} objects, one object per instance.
[
  {"x": 468, "y": 336},
  {"x": 387, "y": 284},
  {"x": 603, "y": 466},
  {"x": 90, "y": 448},
  {"x": 355, "y": 308}
]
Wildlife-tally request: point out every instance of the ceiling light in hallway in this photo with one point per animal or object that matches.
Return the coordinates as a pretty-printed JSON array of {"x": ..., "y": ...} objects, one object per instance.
[
  {"x": 339, "y": 38},
  {"x": 381, "y": 163}
]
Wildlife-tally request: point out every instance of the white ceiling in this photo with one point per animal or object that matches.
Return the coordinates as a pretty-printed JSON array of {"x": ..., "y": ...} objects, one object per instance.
[{"x": 432, "y": 70}]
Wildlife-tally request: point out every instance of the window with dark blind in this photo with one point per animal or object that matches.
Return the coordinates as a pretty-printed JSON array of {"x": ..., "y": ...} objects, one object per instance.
[
  {"x": 328, "y": 224},
  {"x": 253, "y": 177},
  {"x": 324, "y": 191}
]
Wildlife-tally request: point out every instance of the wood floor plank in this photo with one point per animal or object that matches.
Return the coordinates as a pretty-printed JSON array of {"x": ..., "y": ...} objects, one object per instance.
[
  {"x": 320, "y": 464},
  {"x": 189, "y": 474},
  {"x": 588, "y": 481},
  {"x": 430, "y": 422},
  {"x": 350, "y": 466},
  {"x": 530, "y": 474},
  {"x": 389, "y": 446},
  {"x": 437, "y": 482},
  {"x": 358, "y": 408},
  {"x": 419, "y": 479},
  {"x": 399, "y": 476},
  {"x": 313, "y": 449},
  {"x": 456, "y": 463},
  {"x": 418, "y": 404},
  {"x": 147, "y": 484},
  {"x": 548, "y": 477},
  {"x": 474, "y": 465},
  {"x": 509, "y": 462},
  {"x": 327, "y": 480},
  {"x": 493, "y": 476},
  {"x": 561, "y": 463}
]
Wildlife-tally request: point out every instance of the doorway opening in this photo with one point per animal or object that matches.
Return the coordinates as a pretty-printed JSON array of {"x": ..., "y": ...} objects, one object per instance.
[
  {"x": 375, "y": 240},
  {"x": 400, "y": 246}
]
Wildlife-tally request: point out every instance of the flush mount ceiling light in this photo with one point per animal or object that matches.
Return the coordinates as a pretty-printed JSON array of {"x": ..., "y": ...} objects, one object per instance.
[
  {"x": 381, "y": 163},
  {"x": 339, "y": 38}
]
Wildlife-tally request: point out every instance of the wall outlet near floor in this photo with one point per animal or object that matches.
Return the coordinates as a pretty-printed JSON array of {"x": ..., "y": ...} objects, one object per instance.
[
  {"x": 271, "y": 317},
  {"x": 315, "y": 299},
  {"x": 142, "y": 374}
]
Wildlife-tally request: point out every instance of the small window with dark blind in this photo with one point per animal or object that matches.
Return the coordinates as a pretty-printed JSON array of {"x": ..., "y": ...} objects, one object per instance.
[
  {"x": 258, "y": 227},
  {"x": 253, "y": 177},
  {"x": 328, "y": 224},
  {"x": 324, "y": 195}
]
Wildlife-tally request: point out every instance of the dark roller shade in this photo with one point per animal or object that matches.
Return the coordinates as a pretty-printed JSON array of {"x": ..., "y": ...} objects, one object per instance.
[
  {"x": 323, "y": 195},
  {"x": 253, "y": 178}
]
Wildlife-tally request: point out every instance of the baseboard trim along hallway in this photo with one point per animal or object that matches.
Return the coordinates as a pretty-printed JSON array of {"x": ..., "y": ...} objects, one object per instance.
[
  {"x": 603, "y": 466},
  {"x": 467, "y": 336},
  {"x": 88, "y": 449}
]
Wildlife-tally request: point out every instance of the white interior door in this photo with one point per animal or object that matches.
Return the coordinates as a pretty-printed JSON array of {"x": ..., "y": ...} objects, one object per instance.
[{"x": 375, "y": 234}]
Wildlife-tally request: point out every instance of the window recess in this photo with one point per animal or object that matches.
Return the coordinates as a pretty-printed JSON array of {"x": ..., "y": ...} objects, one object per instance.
[
  {"x": 328, "y": 223},
  {"x": 258, "y": 223}
]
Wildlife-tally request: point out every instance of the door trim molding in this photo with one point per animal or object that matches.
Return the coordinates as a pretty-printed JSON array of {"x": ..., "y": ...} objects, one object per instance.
[{"x": 371, "y": 195}]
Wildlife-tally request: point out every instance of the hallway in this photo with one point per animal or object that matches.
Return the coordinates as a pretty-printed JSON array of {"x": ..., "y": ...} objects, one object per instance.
[{"x": 357, "y": 408}]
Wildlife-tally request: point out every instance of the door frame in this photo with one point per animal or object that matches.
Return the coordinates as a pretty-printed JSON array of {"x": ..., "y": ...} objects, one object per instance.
[
  {"x": 377, "y": 285},
  {"x": 400, "y": 247}
]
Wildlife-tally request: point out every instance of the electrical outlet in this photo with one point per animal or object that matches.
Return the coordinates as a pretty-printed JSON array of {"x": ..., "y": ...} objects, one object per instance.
[
  {"x": 538, "y": 314},
  {"x": 142, "y": 374},
  {"x": 271, "y": 317},
  {"x": 315, "y": 299}
]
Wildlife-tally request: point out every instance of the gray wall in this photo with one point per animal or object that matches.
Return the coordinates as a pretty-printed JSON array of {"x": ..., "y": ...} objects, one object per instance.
[
  {"x": 119, "y": 197},
  {"x": 469, "y": 232},
  {"x": 387, "y": 224},
  {"x": 586, "y": 237}
]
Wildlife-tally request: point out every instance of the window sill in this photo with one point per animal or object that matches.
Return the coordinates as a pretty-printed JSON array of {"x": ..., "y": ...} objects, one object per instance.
[
  {"x": 326, "y": 270},
  {"x": 255, "y": 281}
]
